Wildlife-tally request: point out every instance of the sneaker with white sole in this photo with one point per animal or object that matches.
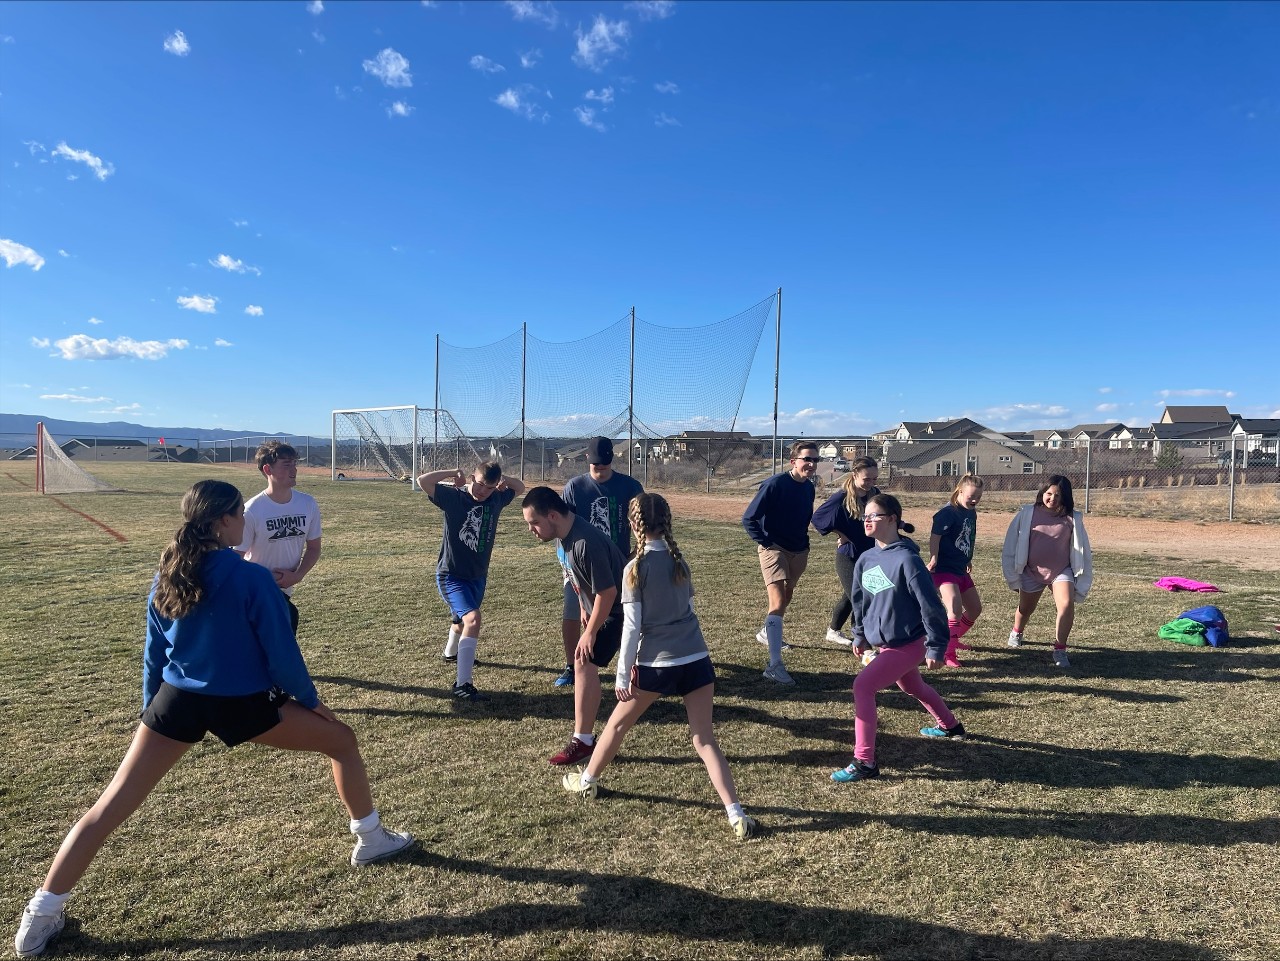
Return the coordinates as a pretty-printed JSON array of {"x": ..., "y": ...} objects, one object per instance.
[
  {"x": 956, "y": 733},
  {"x": 379, "y": 845},
  {"x": 573, "y": 752},
  {"x": 778, "y": 674},
  {"x": 745, "y": 828},
  {"x": 1060, "y": 658},
  {"x": 1015, "y": 639},
  {"x": 857, "y": 771},
  {"x": 763, "y": 638},
  {"x": 572, "y": 782},
  {"x": 835, "y": 637},
  {"x": 35, "y": 931},
  {"x": 565, "y": 677}
]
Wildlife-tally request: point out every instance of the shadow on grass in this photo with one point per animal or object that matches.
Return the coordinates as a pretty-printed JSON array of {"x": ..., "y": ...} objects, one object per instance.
[{"x": 616, "y": 904}]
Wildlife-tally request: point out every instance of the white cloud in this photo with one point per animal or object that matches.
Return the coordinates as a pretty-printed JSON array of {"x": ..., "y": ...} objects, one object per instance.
[
  {"x": 604, "y": 97},
  {"x": 399, "y": 109},
  {"x": 219, "y": 342},
  {"x": 485, "y": 65},
  {"x": 652, "y": 9},
  {"x": 539, "y": 11},
  {"x": 587, "y": 117},
  {"x": 1006, "y": 415},
  {"x": 95, "y": 321},
  {"x": 231, "y": 265},
  {"x": 15, "y": 253},
  {"x": 530, "y": 59},
  {"x": 1107, "y": 408},
  {"x": 597, "y": 46},
  {"x": 391, "y": 68},
  {"x": 1104, "y": 390},
  {"x": 34, "y": 147},
  {"x": 1199, "y": 392},
  {"x": 667, "y": 86},
  {"x": 315, "y": 7},
  {"x": 253, "y": 310},
  {"x": 62, "y": 253},
  {"x": 811, "y": 422},
  {"x": 430, "y": 3},
  {"x": 122, "y": 409},
  {"x": 100, "y": 169},
  {"x": 518, "y": 102},
  {"x": 203, "y": 305},
  {"x": 84, "y": 347},
  {"x": 75, "y": 398},
  {"x": 39, "y": 341},
  {"x": 176, "y": 44},
  {"x": 665, "y": 120},
  {"x": 239, "y": 223}
]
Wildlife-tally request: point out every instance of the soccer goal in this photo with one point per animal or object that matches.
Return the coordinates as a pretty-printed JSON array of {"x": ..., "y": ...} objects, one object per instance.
[
  {"x": 396, "y": 443},
  {"x": 57, "y": 473}
]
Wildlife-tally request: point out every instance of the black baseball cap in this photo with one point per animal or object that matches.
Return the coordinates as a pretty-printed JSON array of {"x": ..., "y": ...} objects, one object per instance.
[{"x": 600, "y": 451}]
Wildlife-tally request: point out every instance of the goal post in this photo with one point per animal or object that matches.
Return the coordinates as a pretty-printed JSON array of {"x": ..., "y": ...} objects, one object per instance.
[
  {"x": 394, "y": 443},
  {"x": 57, "y": 473}
]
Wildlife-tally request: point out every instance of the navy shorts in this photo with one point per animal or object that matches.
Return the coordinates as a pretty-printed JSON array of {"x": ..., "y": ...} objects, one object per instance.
[
  {"x": 608, "y": 641},
  {"x": 679, "y": 680},
  {"x": 187, "y": 716}
]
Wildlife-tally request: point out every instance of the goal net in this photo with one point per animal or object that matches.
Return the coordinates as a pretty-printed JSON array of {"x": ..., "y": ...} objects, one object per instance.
[
  {"x": 57, "y": 473},
  {"x": 396, "y": 443}
]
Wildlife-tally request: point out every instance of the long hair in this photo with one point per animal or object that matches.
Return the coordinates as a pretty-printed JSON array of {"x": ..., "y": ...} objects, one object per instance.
[
  {"x": 890, "y": 505},
  {"x": 970, "y": 480},
  {"x": 651, "y": 514},
  {"x": 1063, "y": 484},
  {"x": 178, "y": 585},
  {"x": 851, "y": 504}
]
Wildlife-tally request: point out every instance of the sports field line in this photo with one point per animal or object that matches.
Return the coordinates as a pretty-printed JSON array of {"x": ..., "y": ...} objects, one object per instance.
[{"x": 93, "y": 520}]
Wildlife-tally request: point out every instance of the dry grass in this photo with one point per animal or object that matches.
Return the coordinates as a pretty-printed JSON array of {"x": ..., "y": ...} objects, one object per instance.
[{"x": 1126, "y": 808}]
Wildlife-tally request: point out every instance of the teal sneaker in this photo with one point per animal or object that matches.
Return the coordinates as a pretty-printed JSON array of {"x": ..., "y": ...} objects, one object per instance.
[
  {"x": 857, "y": 771},
  {"x": 955, "y": 733}
]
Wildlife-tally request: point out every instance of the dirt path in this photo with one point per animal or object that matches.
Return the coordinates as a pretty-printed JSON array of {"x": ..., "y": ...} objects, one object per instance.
[{"x": 1251, "y": 545}]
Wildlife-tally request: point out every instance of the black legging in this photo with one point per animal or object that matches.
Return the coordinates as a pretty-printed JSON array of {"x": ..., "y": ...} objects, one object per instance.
[{"x": 844, "y": 607}]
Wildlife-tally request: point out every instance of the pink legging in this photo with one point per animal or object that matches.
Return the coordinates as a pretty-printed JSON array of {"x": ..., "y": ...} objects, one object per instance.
[{"x": 893, "y": 665}]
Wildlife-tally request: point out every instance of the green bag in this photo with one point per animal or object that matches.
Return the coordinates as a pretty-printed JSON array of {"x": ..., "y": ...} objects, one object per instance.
[{"x": 1185, "y": 631}]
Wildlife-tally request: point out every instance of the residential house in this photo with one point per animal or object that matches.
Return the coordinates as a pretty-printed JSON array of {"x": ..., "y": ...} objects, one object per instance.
[
  {"x": 1212, "y": 414},
  {"x": 952, "y": 458}
]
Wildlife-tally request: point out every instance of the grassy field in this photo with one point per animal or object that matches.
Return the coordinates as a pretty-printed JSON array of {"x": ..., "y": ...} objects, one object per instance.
[{"x": 1125, "y": 808}]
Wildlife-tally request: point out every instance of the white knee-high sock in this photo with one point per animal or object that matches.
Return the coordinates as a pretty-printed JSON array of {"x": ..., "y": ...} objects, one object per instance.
[
  {"x": 466, "y": 659},
  {"x": 773, "y": 631}
]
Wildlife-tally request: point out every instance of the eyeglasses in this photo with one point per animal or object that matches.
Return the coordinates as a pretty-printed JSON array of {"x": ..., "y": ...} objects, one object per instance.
[
  {"x": 809, "y": 460},
  {"x": 872, "y": 518}
]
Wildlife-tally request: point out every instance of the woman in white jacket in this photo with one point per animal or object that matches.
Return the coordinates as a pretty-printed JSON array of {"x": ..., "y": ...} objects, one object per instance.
[{"x": 1047, "y": 546}]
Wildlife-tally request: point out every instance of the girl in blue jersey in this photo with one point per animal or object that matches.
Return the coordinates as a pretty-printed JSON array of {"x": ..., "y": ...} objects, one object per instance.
[
  {"x": 663, "y": 652},
  {"x": 955, "y": 529},
  {"x": 220, "y": 657}
]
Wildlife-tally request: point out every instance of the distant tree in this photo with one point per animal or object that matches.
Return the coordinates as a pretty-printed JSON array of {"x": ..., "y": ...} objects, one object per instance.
[{"x": 1169, "y": 458}]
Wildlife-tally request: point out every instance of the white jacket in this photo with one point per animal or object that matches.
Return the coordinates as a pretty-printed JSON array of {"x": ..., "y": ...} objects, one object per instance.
[{"x": 1013, "y": 559}]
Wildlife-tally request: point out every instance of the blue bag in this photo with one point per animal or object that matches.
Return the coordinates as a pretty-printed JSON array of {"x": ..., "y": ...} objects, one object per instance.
[{"x": 1214, "y": 621}]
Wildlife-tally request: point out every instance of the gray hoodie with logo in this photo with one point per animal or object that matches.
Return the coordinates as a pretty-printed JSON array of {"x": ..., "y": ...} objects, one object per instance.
[{"x": 895, "y": 601}]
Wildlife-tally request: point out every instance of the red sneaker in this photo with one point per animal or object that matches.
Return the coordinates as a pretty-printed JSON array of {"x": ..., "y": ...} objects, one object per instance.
[{"x": 573, "y": 752}]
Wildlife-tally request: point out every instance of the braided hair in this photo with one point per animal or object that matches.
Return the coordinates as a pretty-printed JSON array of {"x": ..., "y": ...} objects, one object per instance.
[
  {"x": 178, "y": 585},
  {"x": 651, "y": 514}
]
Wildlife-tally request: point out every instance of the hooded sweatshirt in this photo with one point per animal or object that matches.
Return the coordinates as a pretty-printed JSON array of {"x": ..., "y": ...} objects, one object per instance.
[
  {"x": 236, "y": 641},
  {"x": 894, "y": 600}
]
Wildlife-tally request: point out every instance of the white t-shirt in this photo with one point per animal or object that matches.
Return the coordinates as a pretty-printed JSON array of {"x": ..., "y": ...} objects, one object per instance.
[{"x": 276, "y": 534}]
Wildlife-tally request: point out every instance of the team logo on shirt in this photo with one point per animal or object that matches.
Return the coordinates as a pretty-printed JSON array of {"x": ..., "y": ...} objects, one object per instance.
[
  {"x": 470, "y": 532},
  {"x": 282, "y": 527},
  {"x": 601, "y": 516},
  {"x": 874, "y": 581},
  {"x": 964, "y": 540}
]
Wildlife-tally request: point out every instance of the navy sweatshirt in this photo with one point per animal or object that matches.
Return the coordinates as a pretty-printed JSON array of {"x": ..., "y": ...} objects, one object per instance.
[
  {"x": 778, "y": 516},
  {"x": 894, "y": 600}
]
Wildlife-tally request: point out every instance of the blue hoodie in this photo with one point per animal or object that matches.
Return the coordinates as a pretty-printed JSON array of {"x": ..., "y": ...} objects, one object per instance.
[
  {"x": 236, "y": 641},
  {"x": 894, "y": 600}
]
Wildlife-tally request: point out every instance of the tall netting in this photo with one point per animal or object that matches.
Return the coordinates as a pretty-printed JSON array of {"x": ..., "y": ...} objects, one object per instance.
[
  {"x": 57, "y": 473},
  {"x": 579, "y": 388},
  {"x": 396, "y": 443},
  {"x": 480, "y": 386}
]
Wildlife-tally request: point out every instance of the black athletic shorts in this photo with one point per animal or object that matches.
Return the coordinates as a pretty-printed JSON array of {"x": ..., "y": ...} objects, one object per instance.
[
  {"x": 679, "y": 680},
  {"x": 608, "y": 641},
  {"x": 187, "y": 716}
]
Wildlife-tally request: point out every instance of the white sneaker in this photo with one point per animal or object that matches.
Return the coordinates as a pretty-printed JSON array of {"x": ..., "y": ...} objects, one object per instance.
[
  {"x": 378, "y": 845},
  {"x": 778, "y": 674},
  {"x": 1060, "y": 658},
  {"x": 763, "y": 638},
  {"x": 36, "y": 931},
  {"x": 835, "y": 637},
  {"x": 1015, "y": 639}
]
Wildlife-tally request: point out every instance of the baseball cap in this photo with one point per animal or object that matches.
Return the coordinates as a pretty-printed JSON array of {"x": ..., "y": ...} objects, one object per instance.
[{"x": 600, "y": 451}]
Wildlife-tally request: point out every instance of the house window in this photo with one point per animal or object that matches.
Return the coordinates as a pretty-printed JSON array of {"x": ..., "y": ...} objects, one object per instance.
[
  {"x": 1028, "y": 467},
  {"x": 946, "y": 468},
  {"x": 1006, "y": 458},
  {"x": 973, "y": 465}
]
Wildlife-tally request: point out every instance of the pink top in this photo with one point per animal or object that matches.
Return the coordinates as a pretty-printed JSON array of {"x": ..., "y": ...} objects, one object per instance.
[{"x": 1049, "y": 546}]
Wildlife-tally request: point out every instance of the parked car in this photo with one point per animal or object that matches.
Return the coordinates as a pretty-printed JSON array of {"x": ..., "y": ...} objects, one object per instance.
[
  {"x": 1255, "y": 458},
  {"x": 840, "y": 465}
]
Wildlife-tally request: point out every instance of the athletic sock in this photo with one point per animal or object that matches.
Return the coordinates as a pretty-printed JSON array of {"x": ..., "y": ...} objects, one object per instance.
[
  {"x": 966, "y": 624},
  {"x": 451, "y": 646},
  {"x": 587, "y": 739},
  {"x": 466, "y": 659},
  {"x": 773, "y": 632},
  {"x": 586, "y": 777},
  {"x": 364, "y": 825},
  {"x": 734, "y": 811},
  {"x": 47, "y": 903}
]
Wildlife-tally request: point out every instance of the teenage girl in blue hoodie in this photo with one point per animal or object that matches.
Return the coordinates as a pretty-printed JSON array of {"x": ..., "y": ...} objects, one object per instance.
[
  {"x": 896, "y": 610},
  {"x": 220, "y": 657}
]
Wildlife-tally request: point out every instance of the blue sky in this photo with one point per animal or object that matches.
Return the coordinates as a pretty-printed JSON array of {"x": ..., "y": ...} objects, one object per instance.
[{"x": 244, "y": 215}]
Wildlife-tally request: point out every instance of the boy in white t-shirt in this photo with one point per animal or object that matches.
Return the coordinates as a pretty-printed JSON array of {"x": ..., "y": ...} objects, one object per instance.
[{"x": 282, "y": 525}]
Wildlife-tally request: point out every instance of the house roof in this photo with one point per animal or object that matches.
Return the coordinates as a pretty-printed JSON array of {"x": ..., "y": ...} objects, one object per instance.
[
  {"x": 1213, "y": 414},
  {"x": 1096, "y": 431},
  {"x": 1190, "y": 431},
  {"x": 1264, "y": 425},
  {"x": 923, "y": 452}
]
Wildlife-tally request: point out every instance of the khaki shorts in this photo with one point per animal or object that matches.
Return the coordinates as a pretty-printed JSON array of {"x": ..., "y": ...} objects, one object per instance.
[{"x": 779, "y": 565}]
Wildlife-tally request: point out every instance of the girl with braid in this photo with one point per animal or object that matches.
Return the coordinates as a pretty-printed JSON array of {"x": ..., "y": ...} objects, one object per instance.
[
  {"x": 220, "y": 656},
  {"x": 663, "y": 652}
]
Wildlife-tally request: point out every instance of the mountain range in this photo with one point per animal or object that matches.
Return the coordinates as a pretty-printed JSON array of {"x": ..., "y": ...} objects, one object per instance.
[{"x": 19, "y": 430}]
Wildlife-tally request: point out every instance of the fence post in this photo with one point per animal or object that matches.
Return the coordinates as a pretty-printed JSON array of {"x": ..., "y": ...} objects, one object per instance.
[
  {"x": 1231, "y": 482},
  {"x": 1088, "y": 450}
]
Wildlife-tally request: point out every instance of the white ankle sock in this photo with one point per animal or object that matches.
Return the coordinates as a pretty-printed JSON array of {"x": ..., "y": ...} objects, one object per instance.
[
  {"x": 47, "y": 903},
  {"x": 364, "y": 825},
  {"x": 587, "y": 739},
  {"x": 734, "y": 811},
  {"x": 586, "y": 777}
]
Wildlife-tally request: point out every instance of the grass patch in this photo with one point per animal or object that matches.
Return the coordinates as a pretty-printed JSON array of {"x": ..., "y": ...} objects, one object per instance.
[{"x": 1125, "y": 808}]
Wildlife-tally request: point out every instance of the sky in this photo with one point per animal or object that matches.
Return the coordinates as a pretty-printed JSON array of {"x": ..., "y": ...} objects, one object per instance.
[{"x": 245, "y": 215}]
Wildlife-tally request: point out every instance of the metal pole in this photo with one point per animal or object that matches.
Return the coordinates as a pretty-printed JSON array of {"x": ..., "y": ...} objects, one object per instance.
[
  {"x": 435, "y": 437},
  {"x": 777, "y": 360},
  {"x": 415, "y": 453},
  {"x": 524, "y": 360},
  {"x": 631, "y": 401},
  {"x": 333, "y": 445},
  {"x": 1231, "y": 483},
  {"x": 1088, "y": 450},
  {"x": 966, "y": 457}
]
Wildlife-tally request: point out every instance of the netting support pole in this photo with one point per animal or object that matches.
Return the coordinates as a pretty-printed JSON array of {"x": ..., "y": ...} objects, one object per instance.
[
  {"x": 415, "y": 454},
  {"x": 524, "y": 342},
  {"x": 40, "y": 456},
  {"x": 1088, "y": 458},
  {"x": 777, "y": 361},
  {"x": 1231, "y": 479},
  {"x": 631, "y": 400},
  {"x": 333, "y": 445},
  {"x": 435, "y": 437}
]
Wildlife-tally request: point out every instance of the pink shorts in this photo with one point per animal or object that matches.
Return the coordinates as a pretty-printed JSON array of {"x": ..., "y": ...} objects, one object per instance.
[{"x": 962, "y": 581}]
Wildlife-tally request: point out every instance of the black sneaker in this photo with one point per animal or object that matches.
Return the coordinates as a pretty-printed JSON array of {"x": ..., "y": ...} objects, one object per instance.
[
  {"x": 956, "y": 733},
  {"x": 449, "y": 658},
  {"x": 468, "y": 692}
]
